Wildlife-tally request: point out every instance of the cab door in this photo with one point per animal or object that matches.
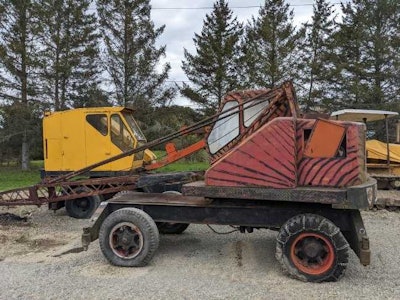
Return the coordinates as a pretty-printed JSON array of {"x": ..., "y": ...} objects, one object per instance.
[
  {"x": 97, "y": 140},
  {"x": 122, "y": 140}
]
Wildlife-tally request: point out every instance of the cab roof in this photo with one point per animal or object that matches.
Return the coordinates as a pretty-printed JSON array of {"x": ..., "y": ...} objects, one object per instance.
[
  {"x": 362, "y": 115},
  {"x": 92, "y": 110}
]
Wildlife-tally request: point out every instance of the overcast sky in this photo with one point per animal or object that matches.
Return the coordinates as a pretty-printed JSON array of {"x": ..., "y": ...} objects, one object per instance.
[{"x": 181, "y": 24}]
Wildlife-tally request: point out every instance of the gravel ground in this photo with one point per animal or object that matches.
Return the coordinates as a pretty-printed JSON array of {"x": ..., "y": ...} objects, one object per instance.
[{"x": 198, "y": 264}]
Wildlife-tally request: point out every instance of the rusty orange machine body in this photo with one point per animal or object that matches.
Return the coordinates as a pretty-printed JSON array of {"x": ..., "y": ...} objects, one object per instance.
[{"x": 267, "y": 144}]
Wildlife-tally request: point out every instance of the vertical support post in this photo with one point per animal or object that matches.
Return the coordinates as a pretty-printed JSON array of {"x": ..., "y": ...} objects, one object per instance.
[{"x": 387, "y": 141}]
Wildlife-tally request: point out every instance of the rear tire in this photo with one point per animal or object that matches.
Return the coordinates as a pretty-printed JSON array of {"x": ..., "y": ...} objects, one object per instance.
[
  {"x": 171, "y": 228},
  {"x": 82, "y": 208},
  {"x": 128, "y": 238},
  {"x": 312, "y": 248}
]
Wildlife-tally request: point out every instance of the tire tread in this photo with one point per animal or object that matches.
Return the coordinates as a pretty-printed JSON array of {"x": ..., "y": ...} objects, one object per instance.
[{"x": 313, "y": 223}]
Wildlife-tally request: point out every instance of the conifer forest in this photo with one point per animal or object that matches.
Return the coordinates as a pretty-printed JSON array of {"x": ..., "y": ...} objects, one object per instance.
[{"x": 62, "y": 54}]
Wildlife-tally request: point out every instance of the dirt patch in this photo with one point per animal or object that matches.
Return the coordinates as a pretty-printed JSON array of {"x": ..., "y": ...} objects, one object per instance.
[
  {"x": 23, "y": 245},
  {"x": 7, "y": 219},
  {"x": 35, "y": 232},
  {"x": 239, "y": 253},
  {"x": 3, "y": 238},
  {"x": 39, "y": 243},
  {"x": 46, "y": 243}
]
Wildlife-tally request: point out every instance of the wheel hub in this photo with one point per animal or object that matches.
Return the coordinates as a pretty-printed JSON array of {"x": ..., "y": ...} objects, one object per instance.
[
  {"x": 83, "y": 203},
  {"x": 312, "y": 248},
  {"x": 126, "y": 240},
  {"x": 312, "y": 253}
]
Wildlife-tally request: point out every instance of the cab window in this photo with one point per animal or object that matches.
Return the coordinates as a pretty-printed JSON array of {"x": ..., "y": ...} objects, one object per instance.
[
  {"x": 225, "y": 129},
  {"x": 135, "y": 128},
  {"x": 99, "y": 122},
  {"x": 252, "y": 110},
  {"x": 120, "y": 135}
]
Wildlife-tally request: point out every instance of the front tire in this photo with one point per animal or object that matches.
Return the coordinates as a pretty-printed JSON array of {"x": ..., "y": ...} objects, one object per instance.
[
  {"x": 312, "y": 248},
  {"x": 129, "y": 238}
]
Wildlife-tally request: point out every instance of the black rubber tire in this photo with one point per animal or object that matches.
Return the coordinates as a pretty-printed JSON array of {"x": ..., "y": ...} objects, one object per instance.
[
  {"x": 144, "y": 225},
  {"x": 82, "y": 208},
  {"x": 310, "y": 224},
  {"x": 171, "y": 228}
]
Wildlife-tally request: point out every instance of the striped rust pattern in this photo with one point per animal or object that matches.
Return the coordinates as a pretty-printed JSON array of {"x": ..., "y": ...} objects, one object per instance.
[
  {"x": 273, "y": 157},
  {"x": 278, "y": 107},
  {"x": 267, "y": 158},
  {"x": 333, "y": 171}
]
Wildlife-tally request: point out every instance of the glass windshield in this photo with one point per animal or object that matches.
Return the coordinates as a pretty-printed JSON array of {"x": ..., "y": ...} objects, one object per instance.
[
  {"x": 120, "y": 135},
  {"x": 225, "y": 129},
  {"x": 252, "y": 110},
  {"x": 135, "y": 128}
]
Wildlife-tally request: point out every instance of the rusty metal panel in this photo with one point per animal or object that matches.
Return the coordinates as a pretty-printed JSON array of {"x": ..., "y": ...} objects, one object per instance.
[
  {"x": 342, "y": 171},
  {"x": 266, "y": 158},
  {"x": 281, "y": 103},
  {"x": 325, "y": 139},
  {"x": 302, "y": 194},
  {"x": 358, "y": 238},
  {"x": 160, "y": 199}
]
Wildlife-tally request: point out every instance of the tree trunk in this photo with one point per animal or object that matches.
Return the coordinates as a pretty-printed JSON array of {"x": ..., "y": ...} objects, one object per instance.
[
  {"x": 24, "y": 88},
  {"x": 25, "y": 152}
]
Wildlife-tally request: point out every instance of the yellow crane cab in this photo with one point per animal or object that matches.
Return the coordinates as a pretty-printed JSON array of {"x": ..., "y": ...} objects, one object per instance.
[{"x": 76, "y": 138}]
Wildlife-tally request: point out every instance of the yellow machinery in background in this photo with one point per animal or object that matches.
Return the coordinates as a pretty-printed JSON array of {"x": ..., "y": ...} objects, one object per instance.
[
  {"x": 383, "y": 158},
  {"x": 74, "y": 139}
]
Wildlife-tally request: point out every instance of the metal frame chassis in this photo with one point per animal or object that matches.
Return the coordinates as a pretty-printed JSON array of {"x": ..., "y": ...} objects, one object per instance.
[{"x": 257, "y": 214}]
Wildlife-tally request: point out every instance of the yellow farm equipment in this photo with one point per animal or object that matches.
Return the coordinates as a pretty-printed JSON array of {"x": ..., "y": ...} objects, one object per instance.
[{"x": 383, "y": 158}]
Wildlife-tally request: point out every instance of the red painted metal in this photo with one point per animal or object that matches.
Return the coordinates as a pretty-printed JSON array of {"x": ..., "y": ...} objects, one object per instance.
[
  {"x": 266, "y": 158},
  {"x": 268, "y": 152},
  {"x": 332, "y": 171},
  {"x": 282, "y": 103},
  {"x": 274, "y": 157}
]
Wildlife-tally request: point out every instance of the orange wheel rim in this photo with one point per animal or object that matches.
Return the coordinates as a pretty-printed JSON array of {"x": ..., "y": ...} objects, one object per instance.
[{"x": 312, "y": 253}]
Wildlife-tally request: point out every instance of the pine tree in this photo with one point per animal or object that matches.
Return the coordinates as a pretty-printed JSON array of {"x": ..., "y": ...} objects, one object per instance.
[
  {"x": 369, "y": 37},
  {"x": 17, "y": 66},
  {"x": 69, "y": 52},
  {"x": 131, "y": 56},
  {"x": 270, "y": 45},
  {"x": 91, "y": 96},
  {"x": 350, "y": 87},
  {"x": 317, "y": 57},
  {"x": 214, "y": 69}
]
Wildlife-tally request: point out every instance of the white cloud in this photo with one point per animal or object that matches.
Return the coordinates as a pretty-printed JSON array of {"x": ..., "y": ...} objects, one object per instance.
[{"x": 182, "y": 24}]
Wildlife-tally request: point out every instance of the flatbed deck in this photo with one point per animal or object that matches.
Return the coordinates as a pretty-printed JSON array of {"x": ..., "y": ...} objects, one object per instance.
[{"x": 355, "y": 197}]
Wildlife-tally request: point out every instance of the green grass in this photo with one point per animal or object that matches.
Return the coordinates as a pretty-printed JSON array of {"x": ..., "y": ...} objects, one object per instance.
[
  {"x": 184, "y": 166},
  {"x": 12, "y": 177}
]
